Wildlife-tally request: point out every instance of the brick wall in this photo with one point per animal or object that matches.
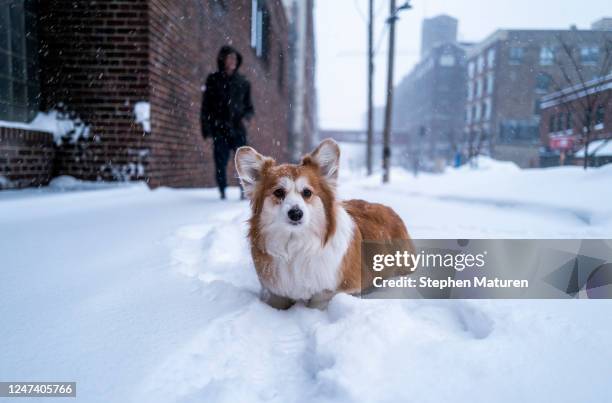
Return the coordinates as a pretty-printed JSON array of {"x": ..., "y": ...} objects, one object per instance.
[
  {"x": 98, "y": 58},
  {"x": 184, "y": 40},
  {"x": 94, "y": 61},
  {"x": 578, "y": 116},
  {"x": 26, "y": 158}
]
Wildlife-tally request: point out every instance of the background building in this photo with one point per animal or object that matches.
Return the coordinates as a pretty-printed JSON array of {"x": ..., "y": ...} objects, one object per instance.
[
  {"x": 510, "y": 71},
  {"x": 430, "y": 100},
  {"x": 437, "y": 31},
  {"x": 128, "y": 78},
  {"x": 603, "y": 24}
]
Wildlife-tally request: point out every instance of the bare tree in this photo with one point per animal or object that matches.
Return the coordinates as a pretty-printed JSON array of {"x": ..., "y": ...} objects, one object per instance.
[
  {"x": 475, "y": 145},
  {"x": 586, "y": 106}
]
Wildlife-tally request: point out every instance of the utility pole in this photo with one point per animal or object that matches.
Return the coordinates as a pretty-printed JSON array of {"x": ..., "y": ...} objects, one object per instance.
[
  {"x": 393, "y": 12},
  {"x": 386, "y": 157},
  {"x": 370, "y": 136}
]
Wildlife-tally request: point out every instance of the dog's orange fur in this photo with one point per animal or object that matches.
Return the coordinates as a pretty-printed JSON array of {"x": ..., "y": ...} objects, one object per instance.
[{"x": 372, "y": 221}]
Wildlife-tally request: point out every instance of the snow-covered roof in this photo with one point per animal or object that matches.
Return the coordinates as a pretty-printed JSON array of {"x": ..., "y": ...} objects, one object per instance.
[
  {"x": 597, "y": 148},
  {"x": 576, "y": 91}
]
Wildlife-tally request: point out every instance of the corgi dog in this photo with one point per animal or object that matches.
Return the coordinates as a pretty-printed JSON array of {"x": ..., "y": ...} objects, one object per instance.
[{"x": 305, "y": 243}]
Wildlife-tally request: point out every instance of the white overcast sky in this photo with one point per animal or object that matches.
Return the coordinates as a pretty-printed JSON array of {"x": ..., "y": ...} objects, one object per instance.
[{"x": 341, "y": 40}]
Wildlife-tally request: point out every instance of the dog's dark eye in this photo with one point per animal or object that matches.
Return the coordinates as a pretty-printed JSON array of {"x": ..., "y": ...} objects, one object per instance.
[
  {"x": 280, "y": 193},
  {"x": 306, "y": 193}
]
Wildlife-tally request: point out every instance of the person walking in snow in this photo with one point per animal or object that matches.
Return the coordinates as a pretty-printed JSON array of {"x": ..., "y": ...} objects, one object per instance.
[{"x": 226, "y": 107}]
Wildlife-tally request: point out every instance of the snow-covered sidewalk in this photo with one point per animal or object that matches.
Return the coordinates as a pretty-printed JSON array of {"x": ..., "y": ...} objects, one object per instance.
[{"x": 150, "y": 296}]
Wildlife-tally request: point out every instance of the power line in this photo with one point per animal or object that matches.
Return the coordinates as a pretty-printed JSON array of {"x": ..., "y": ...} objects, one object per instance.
[
  {"x": 381, "y": 5},
  {"x": 379, "y": 9},
  {"x": 381, "y": 36},
  {"x": 361, "y": 14},
  {"x": 385, "y": 27}
]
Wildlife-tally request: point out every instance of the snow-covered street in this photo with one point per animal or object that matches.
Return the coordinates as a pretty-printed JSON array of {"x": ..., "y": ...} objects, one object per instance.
[{"x": 151, "y": 296}]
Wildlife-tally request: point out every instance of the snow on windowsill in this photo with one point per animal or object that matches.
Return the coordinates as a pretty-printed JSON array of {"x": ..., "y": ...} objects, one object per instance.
[{"x": 62, "y": 128}]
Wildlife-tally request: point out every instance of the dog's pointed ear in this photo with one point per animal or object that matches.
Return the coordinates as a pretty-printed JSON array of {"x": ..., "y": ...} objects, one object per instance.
[
  {"x": 249, "y": 164},
  {"x": 327, "y": 157}
]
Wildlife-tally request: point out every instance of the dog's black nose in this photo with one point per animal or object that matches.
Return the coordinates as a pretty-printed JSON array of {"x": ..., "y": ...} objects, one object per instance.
[{"x": 295, "y": 214}]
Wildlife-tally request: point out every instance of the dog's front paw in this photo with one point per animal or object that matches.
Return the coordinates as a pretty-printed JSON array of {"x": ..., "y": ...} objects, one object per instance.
[
  {"x": 320, "y": 300},
  {"x": 276, "y": 301}
]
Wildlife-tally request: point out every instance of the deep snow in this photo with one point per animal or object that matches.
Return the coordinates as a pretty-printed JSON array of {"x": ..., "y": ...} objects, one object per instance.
[{"x": 150, "y": 296}]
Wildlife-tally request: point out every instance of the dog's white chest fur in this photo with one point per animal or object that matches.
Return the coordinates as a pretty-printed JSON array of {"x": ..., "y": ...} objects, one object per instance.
[{"x": 302, "y": 266}]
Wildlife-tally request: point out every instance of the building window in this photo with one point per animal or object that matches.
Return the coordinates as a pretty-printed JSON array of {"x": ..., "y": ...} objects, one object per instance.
[
  {"x": 589, "y": 55},
  {"x": 559, "y": 122},
  {"x": 516, "y": 55},
  {"x": 518, "y": 131},
  {"x": 600, "y": 113},
  {"x": 486, "y": 109},
  {"x": 470, "y": 90},
  {"x": 543, "y": 82},
  {"x": 481, "y": 63},
  {"x": 479, "y": 87},
  {"x": 547, "y": 56},
  {"x": 476, "y": 113},
  {"x": 447, "y": 60},
  {"x": 471, "y": 69},
  {"x": 19, "y": 83},
  {"x": 468, "y": 114},
  {"x": 551, "y": 124},
  {"x": 491, "y": 58},
  {"x": 259, "y": 27},
  {"x": 490, "y": 82}
]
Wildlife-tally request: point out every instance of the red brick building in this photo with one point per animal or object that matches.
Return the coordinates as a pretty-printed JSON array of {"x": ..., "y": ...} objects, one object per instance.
[
  {"x": 565, "y": 117},
  {"x": 97, "y": 60}
]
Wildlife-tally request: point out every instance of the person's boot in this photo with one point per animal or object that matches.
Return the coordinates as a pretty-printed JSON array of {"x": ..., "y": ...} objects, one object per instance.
[{"x": 222, "y": 191}]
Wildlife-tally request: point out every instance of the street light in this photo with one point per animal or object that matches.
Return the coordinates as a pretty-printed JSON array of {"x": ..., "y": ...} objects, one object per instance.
[{"x": 394, "y": 16}]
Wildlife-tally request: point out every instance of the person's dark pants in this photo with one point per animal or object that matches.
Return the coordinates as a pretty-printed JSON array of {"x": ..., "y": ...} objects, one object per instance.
[{"x": 221, "y": 148}]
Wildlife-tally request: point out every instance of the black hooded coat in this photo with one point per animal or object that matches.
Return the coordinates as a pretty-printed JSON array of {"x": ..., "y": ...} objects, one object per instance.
[{"x": 226, "y": 102}]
